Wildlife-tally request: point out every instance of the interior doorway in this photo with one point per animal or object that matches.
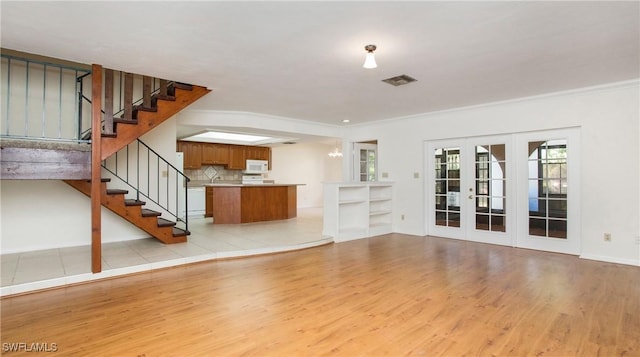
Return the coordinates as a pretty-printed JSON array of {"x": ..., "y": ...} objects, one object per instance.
[{"x": 365, "y": 161}]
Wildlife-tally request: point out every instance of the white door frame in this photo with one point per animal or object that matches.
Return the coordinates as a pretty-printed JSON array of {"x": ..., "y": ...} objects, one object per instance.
[
  {"x": 516, "y": 192},
  {"x": 570, "y": 245},
  {"x": 467, "y": 230}
]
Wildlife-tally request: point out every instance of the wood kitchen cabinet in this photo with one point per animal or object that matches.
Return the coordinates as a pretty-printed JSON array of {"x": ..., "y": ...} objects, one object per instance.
[
  {"x": 232, "y": 204},
  {"x": 192, "y": 154},
  {"x": 215, "y": 154},
  {"x": 208, "y": 208},
  {"x": 237, "y": 158},
  {"x": 233, "y": 157},
  {"x": 257, "y": 152}
]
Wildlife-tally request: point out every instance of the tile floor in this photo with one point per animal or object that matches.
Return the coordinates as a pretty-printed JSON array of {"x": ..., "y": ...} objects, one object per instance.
[{"x": 22, "y": 272}]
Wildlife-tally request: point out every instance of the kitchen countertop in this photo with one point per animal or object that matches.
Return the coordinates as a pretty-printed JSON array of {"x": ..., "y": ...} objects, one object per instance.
[
  {"x": 251, "y": 184},
  {"x": 208, "y": 183}
]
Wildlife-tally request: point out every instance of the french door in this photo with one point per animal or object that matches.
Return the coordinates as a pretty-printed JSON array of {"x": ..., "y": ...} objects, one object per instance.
[
  {"x": 548, "y": 193},
  {"x": 471, "y": 189},
  {"x": 520, "y": 190}
]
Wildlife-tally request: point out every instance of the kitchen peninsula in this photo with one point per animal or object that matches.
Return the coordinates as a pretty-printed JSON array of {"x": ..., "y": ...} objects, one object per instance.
[{"x": 245, "y": 203}]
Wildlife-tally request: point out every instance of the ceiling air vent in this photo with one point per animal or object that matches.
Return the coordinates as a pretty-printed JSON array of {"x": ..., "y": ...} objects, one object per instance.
[{"x": 399, "y": 80}]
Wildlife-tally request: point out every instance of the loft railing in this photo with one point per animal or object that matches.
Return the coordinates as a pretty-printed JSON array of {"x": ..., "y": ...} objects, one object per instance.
[
  {"x": 153, "y": 178},
  {"x": 50, "y": 101},
  {"x": 40, "y": 100}
]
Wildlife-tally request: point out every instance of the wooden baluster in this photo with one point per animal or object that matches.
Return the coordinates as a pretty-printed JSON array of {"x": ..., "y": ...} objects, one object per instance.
[
  {"x": 164, "y": 84},
  {"x": 108, "y": 101},
  {"x": 128, "y": 96},
  {"x": 146, "y": 92}
]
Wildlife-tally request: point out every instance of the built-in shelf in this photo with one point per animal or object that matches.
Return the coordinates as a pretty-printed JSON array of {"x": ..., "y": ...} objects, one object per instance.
[{"x": 354, "y": 210}]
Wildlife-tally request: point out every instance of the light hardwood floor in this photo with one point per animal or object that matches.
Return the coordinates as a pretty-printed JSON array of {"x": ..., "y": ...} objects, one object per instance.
[{"x": 389, "y": 295}]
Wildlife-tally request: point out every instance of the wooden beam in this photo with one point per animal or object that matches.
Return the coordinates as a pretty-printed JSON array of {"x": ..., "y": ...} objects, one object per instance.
[
  {"x": 44, "y": 164},
  {"x": 96, "y": 196}
]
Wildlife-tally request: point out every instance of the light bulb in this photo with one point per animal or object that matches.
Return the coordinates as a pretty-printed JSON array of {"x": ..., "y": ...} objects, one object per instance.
[{"x": 370, "y": 61}]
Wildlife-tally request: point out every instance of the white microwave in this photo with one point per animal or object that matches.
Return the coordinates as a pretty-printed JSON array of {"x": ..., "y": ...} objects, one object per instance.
[{"x": 257, "y": 167}]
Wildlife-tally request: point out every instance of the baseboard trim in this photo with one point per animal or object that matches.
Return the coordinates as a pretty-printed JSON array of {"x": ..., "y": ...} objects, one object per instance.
[{"x": 608, "y": 259}]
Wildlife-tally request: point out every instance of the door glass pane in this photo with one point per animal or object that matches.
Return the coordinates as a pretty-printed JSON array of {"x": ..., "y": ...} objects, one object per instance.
[
  {"x": 548, "y": 188},
  {"x": 367, "y": 164},
  {"x": 490, "y": 187},
  {"x": 447, "y": 166}
]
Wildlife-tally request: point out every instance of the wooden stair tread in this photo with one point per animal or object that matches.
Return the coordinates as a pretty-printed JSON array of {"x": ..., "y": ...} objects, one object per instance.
[
  {"x": 166, "y": 97},
  {"x": 165, "y": 222},
  {"x": 125, "y": 121},
  {"x": 184, "y": 86},
  {"x": 145, "y": 109},
  {"x": 104, "y": 179},
  {"x": 150, "y": 213},
  {"x": 177, "y": 232},
  {"x": 132, "y": 202},
  {"x": 116, "y": 191},
  {"x": 112, "y": 135}
]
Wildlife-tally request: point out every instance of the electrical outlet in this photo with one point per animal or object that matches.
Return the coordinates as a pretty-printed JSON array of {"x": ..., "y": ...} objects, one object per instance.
[
  {"x": 416, "y": 175},
  {"x": 607, "y": 237},
  {"x": 385, "y": 175},
  {"x": 402, "y": 217}
]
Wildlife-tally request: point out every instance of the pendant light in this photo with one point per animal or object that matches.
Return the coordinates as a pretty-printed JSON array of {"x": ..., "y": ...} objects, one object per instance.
[
  {"x": 370, "y": 60},
  {"x": 335, "y": 152}
]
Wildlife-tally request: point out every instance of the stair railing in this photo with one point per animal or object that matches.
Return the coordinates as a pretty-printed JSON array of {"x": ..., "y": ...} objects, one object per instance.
[
  {"x": 120, "y": 90},
  {"x": 152, "y": 178},
  {"x": 39, "y": 100}
]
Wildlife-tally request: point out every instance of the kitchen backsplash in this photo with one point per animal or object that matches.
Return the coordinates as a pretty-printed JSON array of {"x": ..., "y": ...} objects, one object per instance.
[{"x": 205, "y": 173}]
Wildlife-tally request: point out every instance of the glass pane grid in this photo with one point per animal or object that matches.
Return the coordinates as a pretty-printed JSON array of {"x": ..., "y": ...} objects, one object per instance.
[
  {"x": 447, "y": 187},
  {"x": 548, "y": 189}
]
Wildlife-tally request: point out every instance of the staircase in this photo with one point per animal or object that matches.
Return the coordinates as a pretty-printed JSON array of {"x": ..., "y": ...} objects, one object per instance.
[
  {"x": 133, "y": 211},
  {"x": 68, "y": 138},
  {"x": 125, "y": 129}
]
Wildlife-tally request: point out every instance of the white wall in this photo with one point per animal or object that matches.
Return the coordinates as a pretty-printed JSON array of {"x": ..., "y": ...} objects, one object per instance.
[
  {"x": 608, "y": 117},
  {"x": 308, "y": 164},
  {"x": 610, "y": 202},
  {"x": 42, "y": 214}
]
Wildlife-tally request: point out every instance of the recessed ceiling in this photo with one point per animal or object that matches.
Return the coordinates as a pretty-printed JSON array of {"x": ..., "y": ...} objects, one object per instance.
[{"x": 303, "y": 60}]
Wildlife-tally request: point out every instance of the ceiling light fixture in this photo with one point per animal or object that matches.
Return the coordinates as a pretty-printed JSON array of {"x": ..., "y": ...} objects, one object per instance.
[
  {"x": 335, "y": 152},
  {"x": 370, "y": 60}
]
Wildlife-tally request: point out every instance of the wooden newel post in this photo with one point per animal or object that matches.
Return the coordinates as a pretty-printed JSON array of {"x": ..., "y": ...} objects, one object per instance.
[{"x": 96, "y": 194}]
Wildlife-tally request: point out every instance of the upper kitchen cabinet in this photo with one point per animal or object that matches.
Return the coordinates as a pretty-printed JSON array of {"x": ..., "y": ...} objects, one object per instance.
[
  {"x": 215, "y": 154},
  {"x": 237, "y": 158},
  {"x": 233, "y": 157},
  {"x": 192, "y": 154},
  {"x": 257, "y": 153}
]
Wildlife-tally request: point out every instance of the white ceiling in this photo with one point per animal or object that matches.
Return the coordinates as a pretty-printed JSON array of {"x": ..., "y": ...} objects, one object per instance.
[{"x": 303, "y": 60}]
